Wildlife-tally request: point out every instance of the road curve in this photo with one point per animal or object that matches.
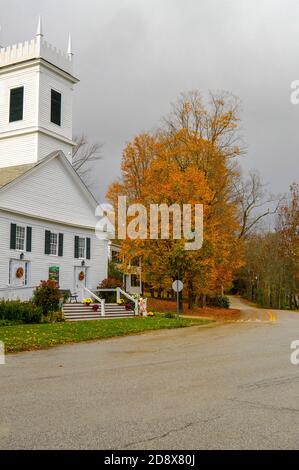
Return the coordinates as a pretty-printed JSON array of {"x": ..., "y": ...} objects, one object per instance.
[
  {"x": 227, "y": 387},
  {"x": 250, "y": 312}
]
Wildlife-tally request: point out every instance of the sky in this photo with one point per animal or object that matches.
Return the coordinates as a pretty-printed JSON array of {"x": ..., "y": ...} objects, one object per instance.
[{"x": 134, "y": 57}]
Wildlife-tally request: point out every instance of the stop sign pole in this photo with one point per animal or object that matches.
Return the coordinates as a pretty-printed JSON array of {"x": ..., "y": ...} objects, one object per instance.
[{"x": 177, "y": 286}]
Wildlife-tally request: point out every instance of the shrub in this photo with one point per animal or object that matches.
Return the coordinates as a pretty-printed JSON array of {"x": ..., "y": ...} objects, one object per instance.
[
  {"x": 54, "y": 317},
  {"x": 8, "y": 323},
  {"x": 109, "y": 283},
  {"x": 219, "y": 301},
  {"x": 47, "y": 296},
  {"x": 169, "y": 315},
  {"x": 129, "y": 305},
  {"x": 20, "y": 312},
  {"x": 114, "y": 272}
]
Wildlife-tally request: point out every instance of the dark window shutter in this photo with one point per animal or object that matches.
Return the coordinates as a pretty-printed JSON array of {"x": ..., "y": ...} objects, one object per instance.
[
  {"x": 88, "y": 248},
  {"x": 60, "y": 245},
  {"x": 47, "y": 242},
  {"x": 16, "y": 104},
  {"x": 76, "y": 247},
  {"x": 56, "y": 107},
  {"x": 13, "y": 234},
  {"x": 28, "y": 239}
]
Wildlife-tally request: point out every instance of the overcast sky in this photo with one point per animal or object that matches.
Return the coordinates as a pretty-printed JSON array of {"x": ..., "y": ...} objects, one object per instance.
[{"x": 134, "y": 57}]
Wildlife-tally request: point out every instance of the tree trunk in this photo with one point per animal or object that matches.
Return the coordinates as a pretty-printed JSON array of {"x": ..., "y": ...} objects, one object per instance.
[
  {"x": 181, "y": 303},
  {"x": 190, "y": 295}
]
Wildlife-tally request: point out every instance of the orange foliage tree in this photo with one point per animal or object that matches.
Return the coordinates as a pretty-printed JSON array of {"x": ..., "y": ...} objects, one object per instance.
[{"x": 189, "y": 161}]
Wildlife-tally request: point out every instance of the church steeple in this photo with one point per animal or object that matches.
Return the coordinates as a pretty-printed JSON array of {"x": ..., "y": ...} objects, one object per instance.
[
  {"x": 70, "y": 47},
  {"x": 39, "y": 31},
  {"x": 36, "y": 87}
]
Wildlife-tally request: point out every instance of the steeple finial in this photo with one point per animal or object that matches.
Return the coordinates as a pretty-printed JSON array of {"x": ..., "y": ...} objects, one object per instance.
[
  {"x": 69, "y": 47},
  {"x": 39, "y": 32}
]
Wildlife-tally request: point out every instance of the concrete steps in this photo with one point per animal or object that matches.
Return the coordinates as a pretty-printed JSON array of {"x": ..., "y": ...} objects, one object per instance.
[{"x": 80, "y": 312}]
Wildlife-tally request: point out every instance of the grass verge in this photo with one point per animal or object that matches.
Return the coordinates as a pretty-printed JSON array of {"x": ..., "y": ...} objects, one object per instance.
[{"x": 31, "y": 337}]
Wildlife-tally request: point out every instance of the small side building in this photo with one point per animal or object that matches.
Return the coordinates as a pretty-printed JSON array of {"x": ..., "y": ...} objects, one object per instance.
[{"x": 132, "y": 274}]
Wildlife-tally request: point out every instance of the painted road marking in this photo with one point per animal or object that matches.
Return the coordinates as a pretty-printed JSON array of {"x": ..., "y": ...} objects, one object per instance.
[{"x": 272, "y": 316}]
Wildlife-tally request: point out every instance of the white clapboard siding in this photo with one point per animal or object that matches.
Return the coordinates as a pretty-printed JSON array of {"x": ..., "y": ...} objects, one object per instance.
[
  {"x": 46, "y": 144},
  {"x": 18, "y": 150},
  {"x": 13, "y": 79},
  {"x": 35, "y": 136},
  {"x": 48, "y": 81},
  {"x": 50, "y": 191},
  {"x": 40, "y": 263}
]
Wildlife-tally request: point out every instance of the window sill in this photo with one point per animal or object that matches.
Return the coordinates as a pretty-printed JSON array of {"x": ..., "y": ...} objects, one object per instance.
[
  {"x": 55, "y": 124},
  {"x": 17, "y": 120}
]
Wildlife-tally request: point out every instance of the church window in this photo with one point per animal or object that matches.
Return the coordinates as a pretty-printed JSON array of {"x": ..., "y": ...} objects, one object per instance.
[
  {"x": 20, "y": 237},
  {"x": 53, "y": 243},
  {"x": 16, "y": 104},
  {"x": 56, "y": 107},
  {"x": 82, "y": 247},
  {"x": 135, "y": 280}
]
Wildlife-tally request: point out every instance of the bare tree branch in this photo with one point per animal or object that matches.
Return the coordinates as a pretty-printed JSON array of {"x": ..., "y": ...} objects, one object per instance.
[
  {"x": 84, "y": 155},
  {"x": 250, "y": 196}
]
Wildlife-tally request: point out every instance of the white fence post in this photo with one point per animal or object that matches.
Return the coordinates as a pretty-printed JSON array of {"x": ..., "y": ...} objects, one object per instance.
[
  {"x": 102, "y": 307},
  {"x": 136, "y": 310},
  {"x": 117, "y": 294}
]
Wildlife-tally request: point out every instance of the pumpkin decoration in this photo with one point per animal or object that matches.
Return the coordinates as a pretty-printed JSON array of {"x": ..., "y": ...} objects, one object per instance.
[
  {"x": 81, "y": 276},
  {"x": 19, "y": 273}
]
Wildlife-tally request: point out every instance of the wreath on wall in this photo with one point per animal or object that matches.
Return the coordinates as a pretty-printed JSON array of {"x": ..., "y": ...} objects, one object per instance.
[
  {"x": 19, "y": 273},
  {"x": 82, "y": 276}
]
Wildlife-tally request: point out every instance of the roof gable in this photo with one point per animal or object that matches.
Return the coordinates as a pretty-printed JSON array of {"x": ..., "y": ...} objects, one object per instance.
[{"x": 49, "y": 189}]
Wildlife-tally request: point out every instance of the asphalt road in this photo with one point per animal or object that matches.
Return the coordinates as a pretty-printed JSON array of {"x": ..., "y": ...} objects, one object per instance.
[{"x": 226, "y": 387}]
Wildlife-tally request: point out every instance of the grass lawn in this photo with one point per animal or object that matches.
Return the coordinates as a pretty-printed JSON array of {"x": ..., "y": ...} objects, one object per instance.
[{"x": 30, "y": 337}]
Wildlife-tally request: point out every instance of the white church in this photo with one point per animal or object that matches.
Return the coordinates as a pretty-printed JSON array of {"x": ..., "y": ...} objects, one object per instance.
[{"x": 47, "y": 214}]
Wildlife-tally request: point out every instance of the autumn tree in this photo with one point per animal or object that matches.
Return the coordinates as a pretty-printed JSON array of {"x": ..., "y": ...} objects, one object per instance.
[
  {"x": 270, "y": 276},
  {"x": 189, "y": 160}
]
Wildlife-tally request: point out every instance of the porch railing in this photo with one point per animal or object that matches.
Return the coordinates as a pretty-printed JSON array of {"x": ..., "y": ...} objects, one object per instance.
[
  {"x": 98, "y": 299},
  {"x": 119, "y": 293}
]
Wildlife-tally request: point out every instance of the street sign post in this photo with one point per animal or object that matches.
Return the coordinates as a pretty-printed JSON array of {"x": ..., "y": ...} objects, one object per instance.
[{"x": 177, "y": 286}]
